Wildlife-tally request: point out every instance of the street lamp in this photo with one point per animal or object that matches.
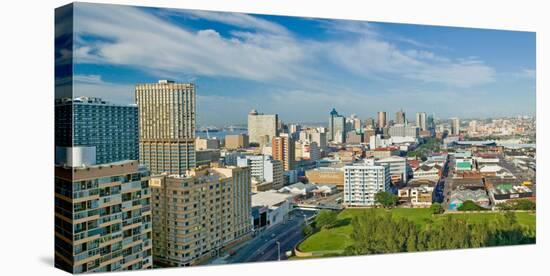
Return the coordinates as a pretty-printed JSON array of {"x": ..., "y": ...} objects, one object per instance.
[{"x": 278, "y": 250}]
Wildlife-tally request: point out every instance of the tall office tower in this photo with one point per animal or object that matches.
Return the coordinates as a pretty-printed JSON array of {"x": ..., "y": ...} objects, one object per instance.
[
  {"x": 455, "y": 126},
  {"x": 261, "y": 125},
  {"x": 431, "y": 122},
  {"x": 400, "y": 117},
  {"x": 91, "y": 122},
  {"x": 197, "y": 215},
  {"x": 263, "y": 169},
  {"x": 283, "y": 149},
  {"x": 102, "y": 216},
  {"x": 355, "y": 122},
  {"x": 336, "y": 127},
  {"x": 369, "y": 123},
  {"x": 421, "y": 121},
  {"x": 363, "y": 181},
  {"x": 294, "y": 128},
  {"x": 382, "y": 119},
  {"x": 166, "y": 126}
]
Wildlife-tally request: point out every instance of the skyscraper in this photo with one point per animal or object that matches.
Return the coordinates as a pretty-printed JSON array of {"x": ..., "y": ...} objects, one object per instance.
[
  {"x": 455, "y": 126},
  {"x": 382, "y": 119},
  {"x": 336, "y": 127},
  {"x": 421, "y": 122},
  {"x": 166, "y": 126},
  {"x": 283, "y": 148},
  {"x": 369, "y": 123},
  {"x": 111, "y": 129},
  {"x": 400, "y": 117},
  {"x": 262, "y": 125}
]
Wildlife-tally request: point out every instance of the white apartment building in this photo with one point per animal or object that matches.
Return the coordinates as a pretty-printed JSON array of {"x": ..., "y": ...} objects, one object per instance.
[
  {"x": 263, "y": 169},
  {"x": 362, "y": 181}
]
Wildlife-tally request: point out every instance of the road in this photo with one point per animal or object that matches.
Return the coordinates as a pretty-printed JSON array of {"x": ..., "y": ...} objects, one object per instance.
[{"x": 263, "y": 247}]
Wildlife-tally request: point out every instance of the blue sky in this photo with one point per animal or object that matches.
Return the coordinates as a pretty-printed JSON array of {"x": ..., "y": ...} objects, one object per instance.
[{"x": 301, "y": 68}]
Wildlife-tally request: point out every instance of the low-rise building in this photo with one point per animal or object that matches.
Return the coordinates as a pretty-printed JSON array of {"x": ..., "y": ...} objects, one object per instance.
[
  {"x": 237, "y": 141},
  {"x": 205, "y": 157},
  {"x": 270, "y": 208},
  {"x": 206, "y": 143},
  {"x": 417, "y": 193},
  {"x": 298, "y": 189},
  {"x": 426, "y": 171},
  {"x": 327, "y": 175}
]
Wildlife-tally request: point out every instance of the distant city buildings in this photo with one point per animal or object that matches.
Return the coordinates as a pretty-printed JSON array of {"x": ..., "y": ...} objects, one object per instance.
[
  {"x": 167, "y": 126},
  {"x": 262, "y": 127},
  {"x": 400, "y": 118},
  {"x": 455, "y": 126},
  {"x": 421, "y": 121},
  {"x": 381, "y": 123},
  {"x": 336, "y": 127},
  {"x": 263, "y": 169},
  {"x": 207, "y": 143},
  {"x": 283, "y": 149},
  {"x": 403, "y": 131},
  {"x": 237, "y": 141}
]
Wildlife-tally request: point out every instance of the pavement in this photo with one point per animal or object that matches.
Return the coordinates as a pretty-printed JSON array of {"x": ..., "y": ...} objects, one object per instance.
[{"x": 263, "y": 247}]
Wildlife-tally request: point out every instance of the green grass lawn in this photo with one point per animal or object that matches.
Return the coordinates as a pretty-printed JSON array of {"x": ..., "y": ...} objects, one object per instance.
[{"x": 336, "y": 239}]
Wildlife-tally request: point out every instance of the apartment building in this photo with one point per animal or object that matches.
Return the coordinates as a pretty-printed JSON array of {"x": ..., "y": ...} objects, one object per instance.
[
  {"x": 362, "y": 181},
  {"x": 198, "y": 214},
  {"x": 102, "y": 218}
]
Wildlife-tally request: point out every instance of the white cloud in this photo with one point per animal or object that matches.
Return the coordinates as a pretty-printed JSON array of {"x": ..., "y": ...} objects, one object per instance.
[
  {"x": 236, "y": 19},
  {"x": 260, "y": 51}
]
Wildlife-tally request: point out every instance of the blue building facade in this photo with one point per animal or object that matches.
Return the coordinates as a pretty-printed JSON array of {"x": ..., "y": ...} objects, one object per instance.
[{"x": 112, "y": 129}]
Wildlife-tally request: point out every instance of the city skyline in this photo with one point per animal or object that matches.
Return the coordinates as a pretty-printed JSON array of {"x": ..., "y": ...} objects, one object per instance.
[{"x": 314, "y": 64}]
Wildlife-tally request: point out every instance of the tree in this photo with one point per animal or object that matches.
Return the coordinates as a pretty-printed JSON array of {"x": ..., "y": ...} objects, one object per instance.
[
  {"x": 307, "y": 229},
  {"x": 469, "y": 205},
  {"x": 436, "y": 208},
  {"x": 326, "y": 219},
  {"x": 386, "y": 199}
]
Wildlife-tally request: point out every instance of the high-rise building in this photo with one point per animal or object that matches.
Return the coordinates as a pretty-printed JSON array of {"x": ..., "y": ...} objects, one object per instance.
[
  {"x": 283, "y": 149},
  {"x": 262, "y": 127},
  {"x": 362, "y": 181},
  {"x": 313, "y": 135},
  {"x": 455, "y": 126},
  {"x": 431, "y": 122},
  {"x": 403, "y": 131},
  {"x": 237, "y": 141},
  {"x": 336, "y": 127},
  {"x": 167, "y": 126},
  {"x": 92, "y": 122},
  {"x": 102, "y": 217},
  {"x": 400, "y": 117},
  {"x": 197, "y": 215},
  {"x": 382, "y": 119},
  {"x": 263, "y": 169},
  {"x": 421, "y": 121},
  {"x": 369, "y": 123}
]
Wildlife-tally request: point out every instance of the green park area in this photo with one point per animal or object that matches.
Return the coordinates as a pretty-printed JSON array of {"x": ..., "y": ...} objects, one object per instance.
[{"x": 334, "y": 240}]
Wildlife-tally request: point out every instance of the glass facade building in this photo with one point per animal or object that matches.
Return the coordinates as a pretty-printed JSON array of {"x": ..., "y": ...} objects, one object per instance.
[{"x": 111, "y": 129}]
